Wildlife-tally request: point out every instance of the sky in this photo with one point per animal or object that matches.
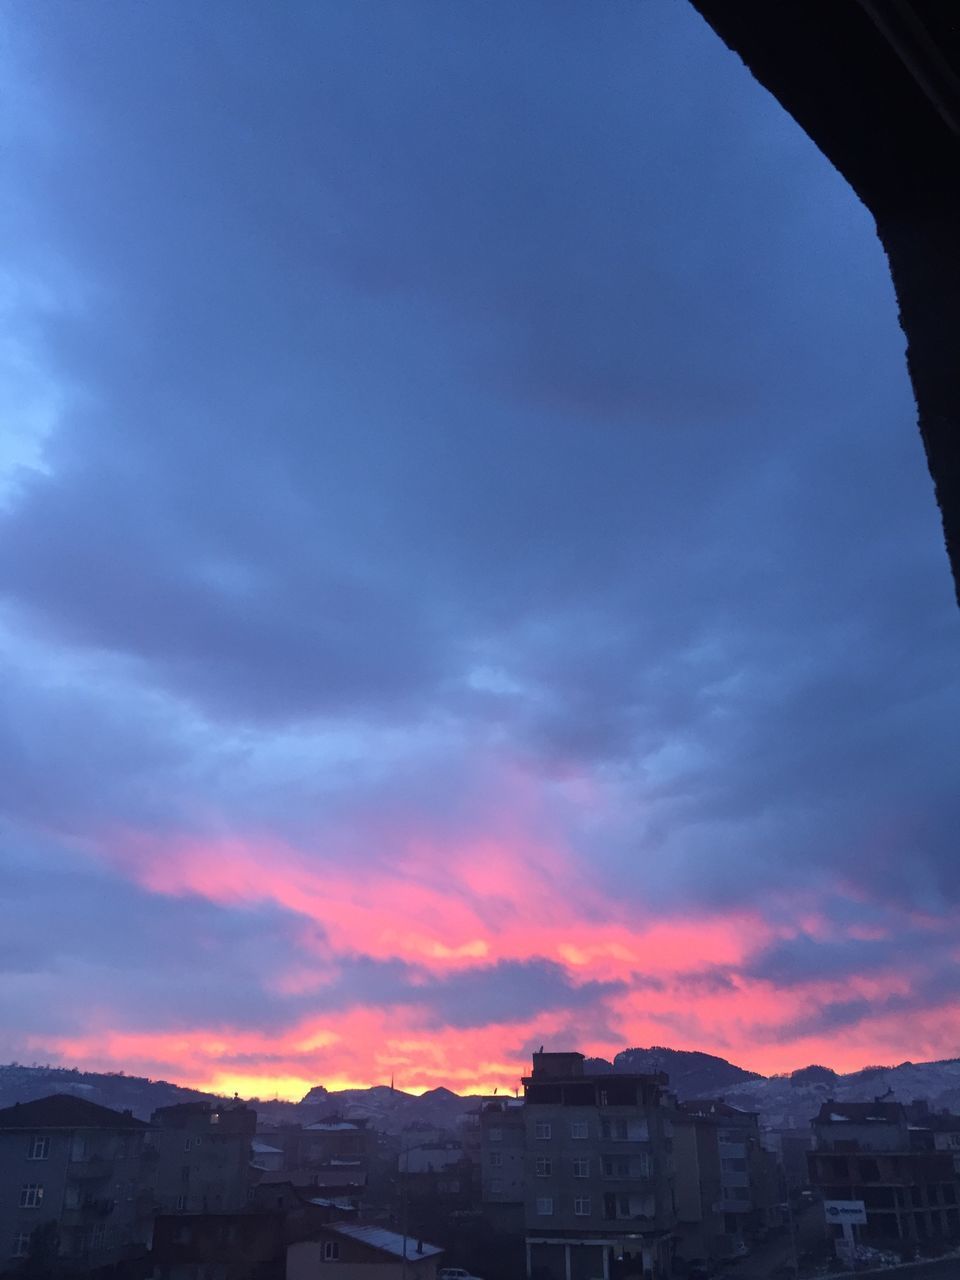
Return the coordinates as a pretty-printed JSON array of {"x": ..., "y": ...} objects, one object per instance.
[{"x": 469, "y": 577}]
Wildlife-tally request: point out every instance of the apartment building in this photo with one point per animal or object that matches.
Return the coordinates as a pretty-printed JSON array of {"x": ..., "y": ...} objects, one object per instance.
[
  {"x": 728, "y": 1184},
  {"x": 599, "y": 1197},
  {"x": 83, "y": 1172},
  {"x": 205, "y": 1157},
  {"x": 901, "y": 1164},
  {"x": 502, "y": 1157}
]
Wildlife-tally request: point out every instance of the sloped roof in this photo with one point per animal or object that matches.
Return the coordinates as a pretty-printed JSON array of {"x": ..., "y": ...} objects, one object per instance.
[
  {"x": 64, "y": 1111},
  {"x": 390, "y": 1242}
]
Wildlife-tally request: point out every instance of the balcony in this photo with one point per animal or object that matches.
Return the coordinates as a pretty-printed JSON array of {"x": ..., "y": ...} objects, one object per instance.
[
  {"x": 89, "y": 1210},
  {"x": 90, "y": 1169}
]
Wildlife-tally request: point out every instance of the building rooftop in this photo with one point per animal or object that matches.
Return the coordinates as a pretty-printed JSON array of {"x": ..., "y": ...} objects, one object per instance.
[
  {"x": 861, "y": 1113},
  {"x": 64, "y": 1111},
  {"x": 390, "y": 1242}
]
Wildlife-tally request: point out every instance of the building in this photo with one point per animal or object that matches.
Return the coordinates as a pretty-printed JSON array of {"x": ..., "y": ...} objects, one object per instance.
[
  {"x": 728, "y": 1184},
  {"x": 264, "y": 1156},
  {"x": 888, "y": 1156},
  {"x": 83, "y": 1170},
  {"x": 333, "y": 1143},
  {"x": 791, "y": 1147},
  {"x": 336, "y": 1144},
  {"x": 205, "y": 1157},
  {"x": 599, "y": 1195},
  {"x": 502, "y": 1154},
  {"x": 344, "y": 1251},
  {"x": 218, "y": 1246},
  {"x": 273, "y": 1190}
]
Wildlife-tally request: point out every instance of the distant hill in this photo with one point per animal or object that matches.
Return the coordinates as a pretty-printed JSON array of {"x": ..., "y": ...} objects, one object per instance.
[
  {"x": 121, "y": 1092},
  {"x": 692, "y": 1074},
  {"x": 787, "y": 1101}
]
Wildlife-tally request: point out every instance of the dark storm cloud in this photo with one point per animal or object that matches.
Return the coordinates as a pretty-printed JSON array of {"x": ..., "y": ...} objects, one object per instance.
[{"x": 513, "y": 380}]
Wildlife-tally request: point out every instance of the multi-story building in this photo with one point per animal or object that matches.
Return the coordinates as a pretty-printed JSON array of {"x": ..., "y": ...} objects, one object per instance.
[
  {"x": 791, "y": 1147},
  {"x": 728, "y": 1185},
  {"x": 218, "y": 1246},
  {"x": 333, "y": 1143},
  {"x": 81, "y": 1171},
  {"x": 205, "y": 1157},
  {"x": 887, "y": 1155},
  {"x": 502, "y": 1150},
  {"x": 599, "y": 1194}
]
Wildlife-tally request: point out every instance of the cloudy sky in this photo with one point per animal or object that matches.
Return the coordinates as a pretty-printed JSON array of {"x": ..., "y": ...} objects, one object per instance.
[{"x": 468, "y": 573}]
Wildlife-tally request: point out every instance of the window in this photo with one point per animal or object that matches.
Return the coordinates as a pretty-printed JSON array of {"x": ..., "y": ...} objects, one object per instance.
[
  {"x": 331, "y": 1250},
  {"x": 581, "y": 1206},
  {"x": 542, "y": 1129},
  {"x": 578, "y": 1129},
  {"x": 97, "y": 1236},
  {"x": 623, "y": 1206},
  {"x": 544, "y": 1166},
  {"x": 733, "y": 1164},
  {"x": 604, "y": 1095},
  {"x": 495, "y": 1135},
  {"x": 614, "y": 1130},
  {"x": 581, "y": 1167},
  {"x": 496, "y": 1159},
  {"x": 496, "y": 1187},
  {"x": 544, "y": 1206},
  {"x": 39, "y": 1149},
  {"x": 21, "y": 1244},
  {"x": 31, "y": 1195},
  {"x": 187, "y": 1145},
  {"x": 181, "y": 1202},
  {"x": 735, "y": 1193}
]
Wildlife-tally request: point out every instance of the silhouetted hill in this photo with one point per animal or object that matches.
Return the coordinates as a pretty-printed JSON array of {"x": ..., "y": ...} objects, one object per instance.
[
  {"x": 692, "y": 1074},
  {"x": 785, "y": 1101},
  {"x": 116, "y": 1090}
]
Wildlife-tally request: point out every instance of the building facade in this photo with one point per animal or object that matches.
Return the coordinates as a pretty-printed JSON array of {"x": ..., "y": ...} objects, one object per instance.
[
  {"x": 728, "y": 1184},
  {"x": 348, "y": 1251},
  {"x": 83, "y": 1173},
  {"x": 503, "y": 1143},
  {"x": 205, "y": 1155},
  {"x": 880, "y": 1153},
  {"x": 599, "y": 1194}
]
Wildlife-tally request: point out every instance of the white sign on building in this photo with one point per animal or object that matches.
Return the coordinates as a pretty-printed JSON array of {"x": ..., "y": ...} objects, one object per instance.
[{"x": 853, "y": 1212}]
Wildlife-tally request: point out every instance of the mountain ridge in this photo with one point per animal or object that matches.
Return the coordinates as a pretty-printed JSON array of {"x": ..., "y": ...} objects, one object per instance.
[{"x": 782, "y": 1101}]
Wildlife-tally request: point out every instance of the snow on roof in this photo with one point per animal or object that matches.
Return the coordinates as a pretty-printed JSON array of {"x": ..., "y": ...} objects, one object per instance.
[
  {"x": 264, "y": 1149},
  {"x": 387, "y": 1241},
  {"x": 332, "y": 1126}
]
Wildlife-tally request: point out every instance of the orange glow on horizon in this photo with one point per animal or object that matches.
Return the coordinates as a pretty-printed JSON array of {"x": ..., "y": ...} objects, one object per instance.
[{"x": 439, "y": 917}]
